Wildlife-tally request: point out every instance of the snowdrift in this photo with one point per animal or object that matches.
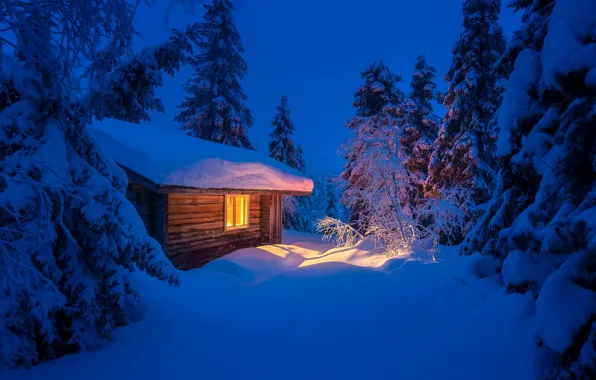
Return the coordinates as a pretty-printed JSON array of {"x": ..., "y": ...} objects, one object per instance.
[{"x": 172, "y": 158}]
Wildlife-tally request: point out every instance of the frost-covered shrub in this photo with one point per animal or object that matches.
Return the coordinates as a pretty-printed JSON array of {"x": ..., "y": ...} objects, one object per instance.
[
  {"x": 343, "y": 234},
  {"x": 372, "y": 102},
  {"x": 443, "y": 220}
]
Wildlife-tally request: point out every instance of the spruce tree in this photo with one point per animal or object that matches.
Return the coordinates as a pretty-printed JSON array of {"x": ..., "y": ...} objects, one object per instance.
[
  {"x": 69, "y": 236},
  {"x": 215, "y": 107},
  {"x": 281, "y": 146},
  {"x": 539, "y": 224},
  {"x": 300, "y": 160},
  {"x": 297, "y": 211},
  {"x": 463, "y": 150},
  {"x": 370, "y": 101},
  {"x": 331, "y": 206},
  {"x": 420, "y": 126}
]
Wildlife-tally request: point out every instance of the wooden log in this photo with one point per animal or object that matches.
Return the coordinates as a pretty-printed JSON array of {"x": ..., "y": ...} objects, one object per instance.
[
  {"x": 192, "y": 209},
  {"x": 178, "y": 248},
  {"x": 192, "y": 236},
  {"x": 181, "y": 197},
  {"x": 218, "y": 214},
  {"x": 197, "y": 227},
  {"x": 195, "y": 202}
]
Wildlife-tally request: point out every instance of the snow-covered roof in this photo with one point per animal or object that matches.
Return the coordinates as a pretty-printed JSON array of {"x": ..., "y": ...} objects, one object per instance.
[{"x": 171, "y": 158}]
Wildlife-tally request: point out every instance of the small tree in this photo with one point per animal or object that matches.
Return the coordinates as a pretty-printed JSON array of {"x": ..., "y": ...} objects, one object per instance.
[
  {"x": 281, "y": 146},
  {"x": 331, "y": 206}
]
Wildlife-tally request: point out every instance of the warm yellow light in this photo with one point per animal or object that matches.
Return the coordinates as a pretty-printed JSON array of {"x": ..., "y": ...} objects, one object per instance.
[
  {"x": 237, "y": 211},
  {"x": 229, "y": 211}
]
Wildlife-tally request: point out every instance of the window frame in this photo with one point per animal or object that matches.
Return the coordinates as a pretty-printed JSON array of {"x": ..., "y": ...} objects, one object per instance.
[{"x": 240, "y": 227}]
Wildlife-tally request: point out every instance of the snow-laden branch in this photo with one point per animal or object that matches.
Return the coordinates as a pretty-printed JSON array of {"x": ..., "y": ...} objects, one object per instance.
[{"x": 341, "y": 233}]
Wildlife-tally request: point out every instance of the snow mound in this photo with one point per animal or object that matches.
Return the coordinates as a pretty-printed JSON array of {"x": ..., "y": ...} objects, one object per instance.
[
  {"x": 169, "y": 157},
  {"x": 330, "y": 321},
  {"x": 230, "y": 268}
]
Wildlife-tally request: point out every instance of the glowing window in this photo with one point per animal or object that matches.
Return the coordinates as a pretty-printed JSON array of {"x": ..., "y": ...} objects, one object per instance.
[{"x": 236, "y": 211}]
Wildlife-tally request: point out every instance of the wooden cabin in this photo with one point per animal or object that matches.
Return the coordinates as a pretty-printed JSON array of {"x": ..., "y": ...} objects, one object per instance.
[{"x": 199, "y": 199}]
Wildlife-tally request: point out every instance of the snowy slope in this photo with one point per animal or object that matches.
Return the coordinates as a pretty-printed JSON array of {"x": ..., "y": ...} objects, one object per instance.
[
  {"x": 171, "y": 158},
  {"x": 273, "y": 313}
]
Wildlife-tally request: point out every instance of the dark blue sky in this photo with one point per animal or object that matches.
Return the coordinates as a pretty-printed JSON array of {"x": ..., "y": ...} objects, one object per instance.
[{"x": 313, "y": 51}]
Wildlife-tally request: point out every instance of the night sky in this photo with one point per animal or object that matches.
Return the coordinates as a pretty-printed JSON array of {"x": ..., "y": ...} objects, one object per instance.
[{"x": 313, "y": 51}]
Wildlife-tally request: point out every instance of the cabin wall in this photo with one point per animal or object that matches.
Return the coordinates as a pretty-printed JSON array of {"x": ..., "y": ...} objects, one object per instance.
[
  {"x": 195, "y": 232},
  {"x": 150, "y": 206},
  {"x": 190, "y": 226}
]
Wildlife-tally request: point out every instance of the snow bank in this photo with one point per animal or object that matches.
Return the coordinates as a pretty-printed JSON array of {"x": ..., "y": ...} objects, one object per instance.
[
  {"x": 264, "y": 262},
  {"x": 262, "y": 314},
  {"x": 171, "y": 158}
]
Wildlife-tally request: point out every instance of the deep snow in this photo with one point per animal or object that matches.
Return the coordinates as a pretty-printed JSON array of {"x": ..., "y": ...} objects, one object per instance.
[
  {"x": 300, "y": 311},
  {"x": 169, "y": 157}
]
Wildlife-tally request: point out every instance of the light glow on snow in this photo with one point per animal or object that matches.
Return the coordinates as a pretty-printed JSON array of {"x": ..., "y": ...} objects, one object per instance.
[{"x": 263, "y": 313}]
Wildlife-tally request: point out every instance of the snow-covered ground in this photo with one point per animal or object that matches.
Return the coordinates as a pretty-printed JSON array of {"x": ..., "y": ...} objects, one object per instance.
[{"x": 303, "y": 311}]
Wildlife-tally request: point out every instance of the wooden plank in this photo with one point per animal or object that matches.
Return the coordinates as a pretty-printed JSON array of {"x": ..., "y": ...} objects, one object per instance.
[
  {"x": 194, "y": 202},
  {"x": 182, "y": 196},
  {"x": 195, "y": 219},
  {"x": 216, "y": 233},
  {"x": 196, "y": 227},
  {"x": 219, "y": 236},
  {"x": 265, "y": 218},
  {"x": 165, "y": 221},
  {"x": 218, "y": 214},
  {"x": 192, "y": 209},
  {"x": 177, "y": 238},
  {"x": 180, "y": 248}
]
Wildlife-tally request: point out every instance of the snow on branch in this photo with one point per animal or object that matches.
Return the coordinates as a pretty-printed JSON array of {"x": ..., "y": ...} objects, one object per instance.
[
  {"x": 128, "y": 92},
  {"x": 341, "y": 233}
]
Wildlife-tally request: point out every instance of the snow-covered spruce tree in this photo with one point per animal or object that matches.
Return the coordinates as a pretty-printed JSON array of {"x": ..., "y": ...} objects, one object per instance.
[
  {"x": 327, "y": 189},
  {"x": 331, "y": 200},
  {"x": 215, "y": 107},
  {"x": 127, "y": 92},
  {"x": 68, "y": 235},
  {"x": 281, "y": 146},
  {"x": 420, "y": 125},
  {"x": 297, "y": 211},
  {"x": 463, "y": 152},
  {"x": 300, "y": 160},
  {"x": 370, "y": 101},
  {"x": 541, "y": 221}
]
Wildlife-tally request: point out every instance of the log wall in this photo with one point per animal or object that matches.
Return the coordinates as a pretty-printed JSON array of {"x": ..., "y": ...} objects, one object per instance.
[
  {"x": 195, "y": 232},
  {"x": 190, "y": 226}
]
